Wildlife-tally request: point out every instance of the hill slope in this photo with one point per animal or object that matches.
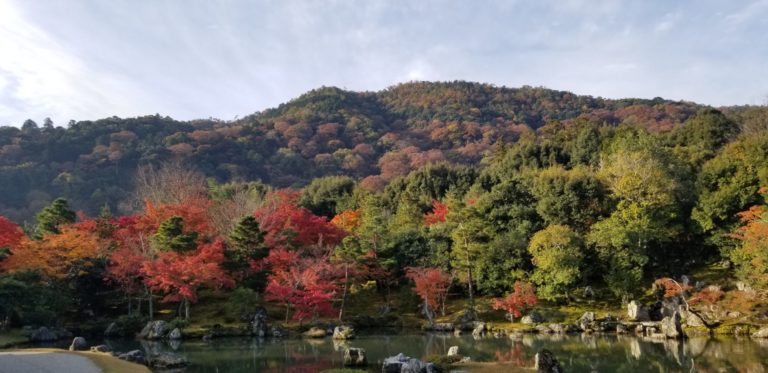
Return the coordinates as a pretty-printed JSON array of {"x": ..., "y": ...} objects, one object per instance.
[{"x": 327, "y": 131}]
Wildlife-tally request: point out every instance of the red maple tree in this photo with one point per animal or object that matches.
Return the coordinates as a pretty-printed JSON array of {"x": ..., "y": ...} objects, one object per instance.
[
  {"x": 431, "y": 284},
  {"x": 10, "y": 233},
  {"x": 180, "y": 275},
  {"x": 289, "y": 226},
  {"x": 522, "y": 297}
]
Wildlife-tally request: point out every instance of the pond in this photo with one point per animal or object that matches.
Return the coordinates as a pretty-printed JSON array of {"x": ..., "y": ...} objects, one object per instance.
[{"x": 577, "y": 353}]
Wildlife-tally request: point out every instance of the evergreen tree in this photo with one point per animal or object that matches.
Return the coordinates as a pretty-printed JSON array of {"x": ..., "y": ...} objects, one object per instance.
[
  {"x": 170, "y": 236},
  {"x": 246, "y": 244},
  {"x": 53, "y": 216}
]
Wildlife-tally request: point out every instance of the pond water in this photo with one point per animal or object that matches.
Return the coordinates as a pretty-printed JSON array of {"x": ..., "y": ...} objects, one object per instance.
[{"x": 577, "y": 353}]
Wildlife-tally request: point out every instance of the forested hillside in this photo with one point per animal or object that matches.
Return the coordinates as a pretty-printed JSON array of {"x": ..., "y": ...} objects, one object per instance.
[
  {"x": 374, "y": 136},
  {"x": 462, "y": 189}
]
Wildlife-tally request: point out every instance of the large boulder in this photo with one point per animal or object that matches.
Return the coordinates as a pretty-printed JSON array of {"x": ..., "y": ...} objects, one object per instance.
[
  {"x": 175, "y": 334},
  {"x": 78, "y": 344},
  {"x": 315, "y": 332},
  {"x": 259, "y": 326},
  {"x": 42, "y": 334},
  {"x": 167, "y": 360},
  {"x": 636, "y": 312},
  {"x": 154, "y": 330},
  {"x": 545, "y": 362},
  {"x": 405, "y": 364},
  {"x": 762, "y": 333},
  {"x": 671, "y": 326},
  {"x": 342, "y": 332},
  {"x": 453, "y": 351},
  {"x": 134, "y": 356},
  {"x": 532, "y": 318},
  {"x": 355, "y": 357}
]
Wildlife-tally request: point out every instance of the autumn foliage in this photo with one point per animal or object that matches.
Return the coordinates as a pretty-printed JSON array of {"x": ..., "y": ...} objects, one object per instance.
[
  {"x": 438, "y": 214},
  {"x": 10, "y": 233},
  {"x": 431, "y": 284},
  {"x": 522, "y": 297},
  {"x": 289, "y": 226},
  {"x": 300, "y": 284}
]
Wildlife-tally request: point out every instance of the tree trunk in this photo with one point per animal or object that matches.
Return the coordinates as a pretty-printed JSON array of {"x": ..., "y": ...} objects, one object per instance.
[
  {"x": 344, "y": 295},
  {"x": 287, "y": 312},
  {"x": 469, "y": 275},
  {"x": 186, "y": 309},
  {"x": 151, "y": 306}
]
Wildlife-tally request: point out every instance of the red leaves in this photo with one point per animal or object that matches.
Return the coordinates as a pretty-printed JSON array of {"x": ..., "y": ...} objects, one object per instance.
[
  {"x": 671, "y": 287},
  {"x": 300, "y": 283},
  {"x": 10, "y": 233},
  {"x": 522, "y": 297},
  {"x": 179, "y": 276},
  {"x": 438, "y": 214},
  {"x": 290, "y": 226},
  {"x": 431, "y": 284}
]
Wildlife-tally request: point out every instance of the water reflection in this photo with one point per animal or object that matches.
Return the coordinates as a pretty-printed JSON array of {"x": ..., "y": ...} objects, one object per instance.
[{"x": 577, "y": 353}]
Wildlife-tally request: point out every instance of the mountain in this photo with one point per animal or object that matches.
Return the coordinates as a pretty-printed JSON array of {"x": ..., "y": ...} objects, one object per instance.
[{"x": 375, "y": 136}]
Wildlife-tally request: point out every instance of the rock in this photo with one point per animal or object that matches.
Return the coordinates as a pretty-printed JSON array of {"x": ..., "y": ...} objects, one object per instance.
[
  {"x": 762, "y": 333},
  {"x": 343, "y": 332},
  {"x": 479, "y": 329},
  {"x": 546, "y": 363},
  {"x": 670, "y": 306},
  {"x": 259, "y": 326},
  {"x": 532, "y": 318},
  {"x": 315, "y": 332},
  {"x": 453, "y": 351},
  {"x": 587, "y": 321},
  {"x": 671, "y": 326},
  {"x": 78, "y": 344},
  {"x": 167, "y": 360},
  {"x": 111, "y": 330},
  {"x": 557, "y": 328},
  {"x": 743, "y": 286},
  {"x": 622, "y": 329},
  {"x": 636, "y": 312},
  {"x": 135, "y": 356},
  {"x": 355, "y": 357},
  {"x": 154, "y": 330},
  {"x": 175, "y": 334},
  {"x": 405, "y": 364},
  {"x": 543, "y": 329},
  {"x": 42, "y": 334},
  {"x": 101, "y": 348},
  {"x": 467, "y": 317},
  {"x": 207, "y": 337},
  {"x": 692, "y": 319},
  {"x": 441, "y": 327},
  {"x": 588, "y": 292}
]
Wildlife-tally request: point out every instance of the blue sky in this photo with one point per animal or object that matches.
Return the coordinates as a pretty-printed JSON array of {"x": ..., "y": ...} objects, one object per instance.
[{"x": 198, "y": 59}]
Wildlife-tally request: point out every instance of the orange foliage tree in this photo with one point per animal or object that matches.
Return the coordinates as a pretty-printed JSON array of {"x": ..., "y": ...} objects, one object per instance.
[
  {"x": 438, "y": 214},
  {"x": 751, "y": 257},
  {"x": 58, "y": 255}
]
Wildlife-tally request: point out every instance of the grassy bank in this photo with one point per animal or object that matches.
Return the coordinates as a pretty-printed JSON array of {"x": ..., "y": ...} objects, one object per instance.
[{"x": 12, "y": 337}]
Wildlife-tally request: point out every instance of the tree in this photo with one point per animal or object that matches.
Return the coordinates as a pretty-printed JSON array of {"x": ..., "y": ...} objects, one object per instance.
[
  {"x": 288, "y": 226},
  {"x": 575, "y": 197},
  {"x": 170, "y": 236},
  {"x": 469, "y": 238},
  {"x": 557, "y": 257},
  {"x": 246, "y": 243},
  {"x": 646, "y": 217},
  {"x": 57, "y": 255},
  {"x": 301, "y": 284},
  {"x": 347, "y": 220},
  {"x": 751, "y": 256},
  {"x": 10, "y": 236},
  {"x": 180, "y": 275},
  {"x": 431, "y": 284},
  {"x": 327, "y": 196},
  {"x": 522, "y": 298},
  {"x": 53, "y": 216}
]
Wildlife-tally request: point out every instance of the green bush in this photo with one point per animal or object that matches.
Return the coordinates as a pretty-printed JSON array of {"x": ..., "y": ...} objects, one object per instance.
[{"x": 129, "y": 325}]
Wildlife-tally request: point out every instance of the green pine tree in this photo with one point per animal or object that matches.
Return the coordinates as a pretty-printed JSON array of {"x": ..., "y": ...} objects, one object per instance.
[
  {"x": 51, "y": 217},
  {"x": 170, "y": 236}
]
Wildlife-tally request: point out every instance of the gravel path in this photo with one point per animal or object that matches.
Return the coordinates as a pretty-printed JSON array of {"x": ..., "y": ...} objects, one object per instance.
[{"x": 45, "y": 362}]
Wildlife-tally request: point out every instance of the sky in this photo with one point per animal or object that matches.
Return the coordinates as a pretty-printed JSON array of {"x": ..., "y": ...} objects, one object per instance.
[{"x": 90, "y": 59}]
